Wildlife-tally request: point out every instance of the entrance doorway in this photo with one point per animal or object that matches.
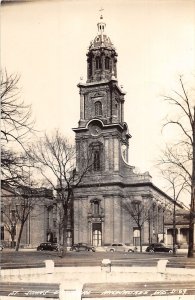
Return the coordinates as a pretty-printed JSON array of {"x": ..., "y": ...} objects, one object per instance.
[
  {"x": 136, "y": 236},
  {"x": 96, "y": 234}
]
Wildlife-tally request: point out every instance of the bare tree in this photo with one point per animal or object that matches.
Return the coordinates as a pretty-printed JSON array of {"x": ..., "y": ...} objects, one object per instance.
[
  {"x": 139, "y": 210},
  {"x": 55, "y": 159},
  {"x": 181, "y": 155},
  {"x": 9, "y": 218},
  {"x": 14, "y": 167},
  {"x": 24, "y": 204},
  {"x": 178, "y": 183},
  {"x": 16, "y": 124},
  {"x": 16, "y": 209},
  {"x": 16, "y": 120}
]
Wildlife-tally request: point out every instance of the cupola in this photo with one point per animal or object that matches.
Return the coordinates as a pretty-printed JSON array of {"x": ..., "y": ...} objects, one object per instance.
[{"x": 101, "y": 57}]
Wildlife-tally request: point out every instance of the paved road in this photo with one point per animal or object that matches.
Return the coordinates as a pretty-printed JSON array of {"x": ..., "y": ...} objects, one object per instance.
[{"x": 12, "y": 259}]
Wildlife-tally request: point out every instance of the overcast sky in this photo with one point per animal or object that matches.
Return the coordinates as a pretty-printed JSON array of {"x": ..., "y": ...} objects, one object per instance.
[{"x": 46, "y": 43}]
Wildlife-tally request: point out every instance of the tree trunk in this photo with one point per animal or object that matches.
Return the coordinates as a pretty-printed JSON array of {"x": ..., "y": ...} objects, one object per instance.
[
  {"x": 149, "y": 231},
  {"x": 140, "y": 238},
  {"x": 191, "y": 226},
  {"x": 191, "y": 250},
  {"x": 12, "y": 241},
  {"x": 19, "y": 236},
  {"x": 174, "y": 228},
  {"x": 63, "y": 249}
]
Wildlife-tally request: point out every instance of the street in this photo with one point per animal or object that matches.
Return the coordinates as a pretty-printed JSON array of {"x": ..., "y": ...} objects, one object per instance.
[{"x": 32, "y": 258}]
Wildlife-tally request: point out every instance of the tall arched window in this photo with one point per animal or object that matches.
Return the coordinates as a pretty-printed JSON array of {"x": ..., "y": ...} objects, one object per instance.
[
  {"x": 90, "y": 68},
  {"x": 107, "y": 63},
  {"x": 98, "y": 108},
  {"x": 96, "y": 208},
  {"x": 96, "y": 150},
  {"x": 98, "y": 63},
  {"x": 96, "y": 160}
]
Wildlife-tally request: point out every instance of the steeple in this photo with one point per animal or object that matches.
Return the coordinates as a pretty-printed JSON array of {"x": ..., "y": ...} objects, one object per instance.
[
  {"x": 101, "y": 27},
  {"x": 101, "y": 57},
  {"x": 101, "y": 98}
]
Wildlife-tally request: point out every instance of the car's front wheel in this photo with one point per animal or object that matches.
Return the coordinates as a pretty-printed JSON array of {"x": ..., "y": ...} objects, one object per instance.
[
  {"x": 130, "y": 250},
  {"x": 111, "y": 250},
  {"x": 170, "y": 251},
  {"x": 40, "y": 249},
  {"x": 151, "y": 251}
]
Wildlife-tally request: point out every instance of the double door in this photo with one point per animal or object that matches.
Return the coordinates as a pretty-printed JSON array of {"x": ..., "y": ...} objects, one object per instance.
[{"x": 96, "y": 234}]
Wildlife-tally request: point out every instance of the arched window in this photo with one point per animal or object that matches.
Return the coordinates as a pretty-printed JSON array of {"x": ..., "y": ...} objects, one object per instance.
[
  {"x": 90, "y": 68},
  {"x": 98, "y": 108},
  {"x": 96, "y": 160},
  {"x": 107, "y": 63},
  {"x": 96, "y": 208},
  {"x": 98, "y": 63},
  {"x": 96, "y": 149}
]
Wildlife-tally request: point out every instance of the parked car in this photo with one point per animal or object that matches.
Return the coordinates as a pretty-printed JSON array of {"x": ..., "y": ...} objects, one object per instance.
[
  {"x": 1, "y": 247},
  {"x": 158, "y": 247},
  {"x": 82, "y": 247},
  {"x": 48, "y": 246},
  {"x": 119, "y": 247}
]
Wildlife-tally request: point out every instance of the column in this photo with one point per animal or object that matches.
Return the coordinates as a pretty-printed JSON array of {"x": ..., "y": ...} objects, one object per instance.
[
  {"x": 116, "y": 154},
  {"x": 82, "y": 106},
  {"x": 103, "y": 66},
  {"x": 122, "y": 111},
  {"x": 90, "y": 232},
  {"x": 93, "y": 67},
  {"x": 165, "y": 237},
  {"x": 178, "y": 239},
  {"x": 107, "y": 155}
]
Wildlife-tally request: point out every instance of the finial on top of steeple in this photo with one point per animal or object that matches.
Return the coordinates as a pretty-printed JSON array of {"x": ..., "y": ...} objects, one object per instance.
[
  {"x": 101, "y": 25},
  {"x": 101, "y": 10}
]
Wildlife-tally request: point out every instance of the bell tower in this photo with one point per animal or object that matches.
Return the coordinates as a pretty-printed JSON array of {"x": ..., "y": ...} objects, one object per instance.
[
  {"x": 102, "y": 136},
  {"x": 101, "y": 128},
  {"x": 101, "y": 57}
]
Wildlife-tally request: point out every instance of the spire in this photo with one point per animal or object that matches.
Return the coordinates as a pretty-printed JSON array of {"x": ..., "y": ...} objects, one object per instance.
[
  {"x": 101, "y": 10},
  {"x": 101, "y": 25},
  {"x": 101, "y": 62}
]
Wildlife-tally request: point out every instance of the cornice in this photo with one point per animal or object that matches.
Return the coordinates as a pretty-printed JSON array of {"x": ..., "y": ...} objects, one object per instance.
[
  {"x": 105, "y": 126},
  {"x": 126, "y": 185},
  {"x": 94, "y": 84}
]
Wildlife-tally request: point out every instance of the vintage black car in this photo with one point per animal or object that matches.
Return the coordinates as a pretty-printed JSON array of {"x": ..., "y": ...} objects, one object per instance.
[
  {"x": 158, "y": 247},
  {"x": 47, "y": 246},
  {"x": 82, "y": 247}
]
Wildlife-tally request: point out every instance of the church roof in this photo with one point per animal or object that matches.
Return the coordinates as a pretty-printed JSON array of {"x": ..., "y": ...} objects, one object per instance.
[{"x": 101, "y": 41}]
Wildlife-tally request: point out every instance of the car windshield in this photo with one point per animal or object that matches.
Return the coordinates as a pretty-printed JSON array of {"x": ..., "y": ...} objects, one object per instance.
[{"x": 161, "y": 245}]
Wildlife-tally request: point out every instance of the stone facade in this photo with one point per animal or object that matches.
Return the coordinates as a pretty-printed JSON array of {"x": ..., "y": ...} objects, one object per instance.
[
  {"x": 100, "y": 216},
  {"x": 40, "y": 225}
]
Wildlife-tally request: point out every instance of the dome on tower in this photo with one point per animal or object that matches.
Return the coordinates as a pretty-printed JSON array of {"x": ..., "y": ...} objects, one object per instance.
[
  {"x": 101, "y": 40},
  {"x": 101, "y": 57}
]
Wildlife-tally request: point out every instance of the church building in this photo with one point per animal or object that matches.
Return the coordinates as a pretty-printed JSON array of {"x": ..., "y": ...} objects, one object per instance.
[{"x": 100, "y": 217}]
